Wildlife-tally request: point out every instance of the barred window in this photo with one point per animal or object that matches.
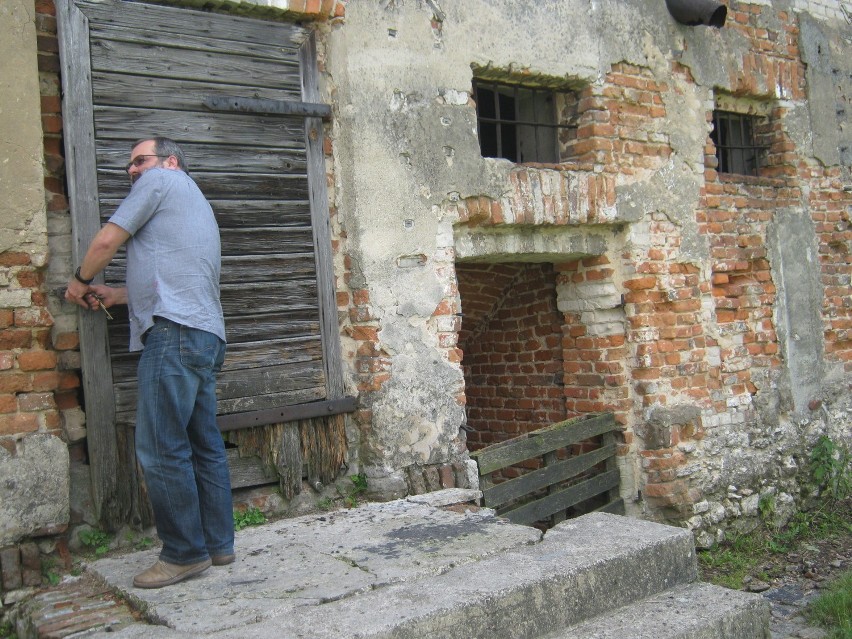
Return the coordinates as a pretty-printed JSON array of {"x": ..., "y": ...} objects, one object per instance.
[
  {"x": 737, "y": 147},
  {"x": 521, "y": 123}
]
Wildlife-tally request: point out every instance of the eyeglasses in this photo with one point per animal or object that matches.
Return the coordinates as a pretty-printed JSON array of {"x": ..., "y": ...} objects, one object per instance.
[{"x": 139, "y": 160}]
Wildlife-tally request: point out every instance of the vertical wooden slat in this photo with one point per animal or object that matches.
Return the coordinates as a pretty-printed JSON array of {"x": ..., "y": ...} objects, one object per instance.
[
  {"x": 321, "y": 223},
  {"x": 289, "y": 461},
  {"x": 611, "y": 463},
  {"x": 550, "y": 459},
  {"x": 109, "y": 494}
]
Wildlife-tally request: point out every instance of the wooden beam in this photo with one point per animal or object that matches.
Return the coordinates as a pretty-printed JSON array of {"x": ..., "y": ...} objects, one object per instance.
[
  {"x": 321, "y": 224},
  {"x": 267, "y": 107},
  {"x": 294, "y": 413},
  {"x": 110, "y": 496}
]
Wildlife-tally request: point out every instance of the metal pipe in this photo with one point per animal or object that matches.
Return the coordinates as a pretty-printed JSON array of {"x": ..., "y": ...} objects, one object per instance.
[{"x": 698, "y": 12}]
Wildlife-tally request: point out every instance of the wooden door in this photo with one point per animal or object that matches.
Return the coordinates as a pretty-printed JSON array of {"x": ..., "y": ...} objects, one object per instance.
[{"x": 239, "y": 95}]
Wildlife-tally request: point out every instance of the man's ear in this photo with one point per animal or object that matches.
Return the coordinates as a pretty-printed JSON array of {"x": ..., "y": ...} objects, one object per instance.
[{"x": 171, "y": 162}]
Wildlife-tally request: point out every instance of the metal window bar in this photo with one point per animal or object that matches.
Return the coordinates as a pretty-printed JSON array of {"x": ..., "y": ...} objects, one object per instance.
[
  {"x": 736, "y": 148},
  {"x": 507, "y": 126}
]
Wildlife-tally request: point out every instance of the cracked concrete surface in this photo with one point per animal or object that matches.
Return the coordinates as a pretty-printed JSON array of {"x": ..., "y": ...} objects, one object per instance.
[{"x": 315, "y": 560}]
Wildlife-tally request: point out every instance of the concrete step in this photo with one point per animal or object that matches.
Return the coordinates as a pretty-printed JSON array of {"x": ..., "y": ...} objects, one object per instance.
[
  {"x": 693, "y": 611},
  {"x": 408, "y": 570},
  {"x": 582, "y": 568}
]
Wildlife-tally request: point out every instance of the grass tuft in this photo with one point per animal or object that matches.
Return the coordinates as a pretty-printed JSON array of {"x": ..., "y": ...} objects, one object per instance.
[{"x": 833, "y": 608}]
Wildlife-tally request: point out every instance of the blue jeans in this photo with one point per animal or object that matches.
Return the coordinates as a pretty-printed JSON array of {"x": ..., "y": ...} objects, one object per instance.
[{"x": 178, "y": 443}]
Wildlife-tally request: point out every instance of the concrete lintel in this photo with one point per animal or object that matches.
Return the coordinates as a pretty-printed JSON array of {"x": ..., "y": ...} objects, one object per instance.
[{"x": 526, "y": 244}]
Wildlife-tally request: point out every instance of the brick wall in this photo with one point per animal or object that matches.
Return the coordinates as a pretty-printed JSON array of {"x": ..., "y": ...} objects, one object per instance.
[
  {"x": 511, "y": 337},
  {"x": 30, "y": 375},
  {"x": 695, "y": 333},
  {"x": 64, "y": 336},
  {"x": 830, "y": 207}
]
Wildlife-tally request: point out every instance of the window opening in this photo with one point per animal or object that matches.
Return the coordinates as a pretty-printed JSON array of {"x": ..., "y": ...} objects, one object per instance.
[
  {"x": 519, "y": 123},
  {"x": 737, "y": 149}
]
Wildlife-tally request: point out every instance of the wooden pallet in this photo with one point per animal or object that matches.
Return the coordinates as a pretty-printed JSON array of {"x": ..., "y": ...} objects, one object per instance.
[{"x": 562, "y": 481}]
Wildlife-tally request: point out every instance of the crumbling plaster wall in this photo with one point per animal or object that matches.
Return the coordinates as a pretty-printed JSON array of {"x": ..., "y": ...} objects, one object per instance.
[
  {"x": 33, "y": 460},
  {"x": 400, "y": 74}
]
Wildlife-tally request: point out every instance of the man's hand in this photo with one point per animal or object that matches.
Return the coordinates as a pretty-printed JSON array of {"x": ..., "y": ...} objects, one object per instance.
[
  {"x": 106, "y": 296},
  {"x": 76, "y": 292}
]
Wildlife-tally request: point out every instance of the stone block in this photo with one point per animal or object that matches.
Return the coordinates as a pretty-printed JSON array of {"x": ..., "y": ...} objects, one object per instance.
[
  {"x": 74, "y": 424},
  {"x": 34, "y": 487},
  {"x": 30, "y": 564},
  {"x": 10, "y": 568},
  {"x": 656, "y": 430}
]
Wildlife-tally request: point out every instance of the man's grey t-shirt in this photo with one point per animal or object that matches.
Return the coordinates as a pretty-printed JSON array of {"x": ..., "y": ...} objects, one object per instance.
[{"x": 173, "y": 254}]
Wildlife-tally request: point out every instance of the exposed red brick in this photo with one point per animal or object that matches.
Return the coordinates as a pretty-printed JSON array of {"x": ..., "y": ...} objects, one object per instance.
[
  {"x": 19, "y": 423},
  {"x": 15, "y": 338},
  {"x": 37, "y": 360}
]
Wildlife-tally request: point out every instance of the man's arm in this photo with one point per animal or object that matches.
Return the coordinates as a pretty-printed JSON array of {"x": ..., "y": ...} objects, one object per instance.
[{"x": 101, "y": 251}]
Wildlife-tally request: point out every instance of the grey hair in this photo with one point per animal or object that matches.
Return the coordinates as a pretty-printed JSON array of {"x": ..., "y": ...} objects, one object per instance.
[{"x": 164, "y": 147}]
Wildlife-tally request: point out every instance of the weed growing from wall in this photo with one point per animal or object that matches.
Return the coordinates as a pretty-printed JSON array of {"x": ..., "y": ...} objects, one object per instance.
[
  {"x": 96, "y": 540},
  {"x": 831, "y": 468}
]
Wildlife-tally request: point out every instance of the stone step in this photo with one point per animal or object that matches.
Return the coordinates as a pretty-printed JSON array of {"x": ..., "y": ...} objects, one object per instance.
[
  {"x": 407, "y": 570},
  {"x": 693, "y": 611},
  {"x": 582, "y": 568}
]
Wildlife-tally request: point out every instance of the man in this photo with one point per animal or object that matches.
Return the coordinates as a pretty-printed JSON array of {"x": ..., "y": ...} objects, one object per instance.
[{"x": 172, "y": 294}]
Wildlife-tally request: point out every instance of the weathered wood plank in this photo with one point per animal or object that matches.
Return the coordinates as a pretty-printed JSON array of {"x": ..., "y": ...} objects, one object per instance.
[
  {"x": 275, "y": 332},
  {"x": 140, "y": 513},
  {"x": 113, "y": 155},
  {"x": 147, "y": 37},
  {"x": 244, "y": 268},
  {"x": 110, "y": 497},
  {"x": 313, "y": 128},
  {"x": 126, "y": 418},
  {"x": 243, "y": 213},
  {"x": 248, "y": 471},
  {"x": 289, "y": 108},
  {"x": 186, "y": 64},
  {"x": 559, "y": 435},
  {"x": 173, "y": 20},
  {"x": 268, "y": 298},
  {"x": 265, "y": 241},
  {"x": 270, "y": 379},
  {"x": 246, "y": 244},
  {"x": 286, "y": 378},
  {"x": 281, "y": 186},
  {"x": 289, "y": 461},
  {"x": 259, "y": 354},
  {"x": 274, "y": 400},
  {"x": 282, "y": 414},
  {"x": 546, "y": 506},
  {"x": 259, "y": 213},
  {"x": 273, "y": 352},
  {"x": 609, "y": 439},
  {"x": 507, "y": 491},
  {"x": 240, "y": 130},
  {"x": 267, "y": 268}
]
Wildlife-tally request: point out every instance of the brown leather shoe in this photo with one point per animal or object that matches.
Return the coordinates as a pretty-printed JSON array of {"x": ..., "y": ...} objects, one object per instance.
[
  {"x": 165, "y": 574},
  {"x": 223, "y": 560}
]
